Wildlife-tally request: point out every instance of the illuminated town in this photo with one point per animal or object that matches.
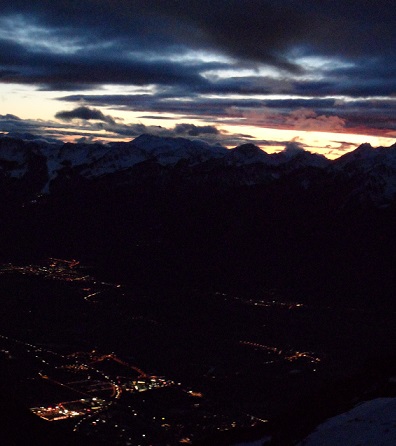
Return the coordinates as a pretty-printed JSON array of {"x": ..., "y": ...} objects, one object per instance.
[
  {"x": 104, "y": 361},
  {"x": 65, "y": 271},
  {"x": 105, "y": 396},
  {"x": 101, "y": 394}
]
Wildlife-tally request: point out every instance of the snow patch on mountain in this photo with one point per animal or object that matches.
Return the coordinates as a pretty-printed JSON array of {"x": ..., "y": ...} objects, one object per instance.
[
  {"x": 371, "y": 423},
  {"x": 246, "y": 154},
  {"x": 14, "y": 157},
  {"x": 366, "y": 156},
  {"x": 374, "y": 169},
  {"x": 168, "y": 151}
]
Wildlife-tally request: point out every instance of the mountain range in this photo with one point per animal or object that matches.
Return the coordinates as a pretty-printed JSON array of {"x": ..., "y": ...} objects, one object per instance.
[{"x": 35, "y": 167}]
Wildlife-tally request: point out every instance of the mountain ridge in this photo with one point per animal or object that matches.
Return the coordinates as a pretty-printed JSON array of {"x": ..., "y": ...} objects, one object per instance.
[{"x": 370, "y": 172}]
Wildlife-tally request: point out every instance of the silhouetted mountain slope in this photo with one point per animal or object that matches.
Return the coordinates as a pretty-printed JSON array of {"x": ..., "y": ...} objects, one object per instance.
[{"x": 31, "y": 167}]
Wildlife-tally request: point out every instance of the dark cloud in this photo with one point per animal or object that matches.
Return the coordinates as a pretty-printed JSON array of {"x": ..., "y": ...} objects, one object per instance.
[
  {"x": 258, "y": 30},
  {"x": 199, "y": 107},
  {"x": 10, "y": 118},
  {"x": 84, "y": 113},
  {"x": 195, "y": 130},
  {"x": 32, "y": 137},
  {"x": 7, "y": 74},
  {"x": 87, "y": 70},
  {"x": 207, "y": 132},
  {"x": 300, "y": 114},
  {"x": 148, "y": 102},
  {"x": 97, "y": 125},
  {"x": 189, "y": 53},
  {"x": 12, "y": 123},
  {"x": 49, "y": 131},
  {"x": 159, "y": 117},
  {"x": 12, "y": 53},
  {"x": 293, "y": 147},
  {"x": 347, "y": 85},
  {"x": 86, "y": 140},
  {"x": 124, "y": 41},
  {"x": 344, "y": 146}
]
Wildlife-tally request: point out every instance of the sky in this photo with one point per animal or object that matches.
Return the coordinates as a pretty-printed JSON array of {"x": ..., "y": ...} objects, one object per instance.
[{"x": 321, "y": 74}]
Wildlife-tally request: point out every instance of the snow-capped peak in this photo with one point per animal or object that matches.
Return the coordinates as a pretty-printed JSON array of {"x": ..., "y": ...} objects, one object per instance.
[
  {"x": 246, "y": 154},
  {"x": 169, "y": 150}
]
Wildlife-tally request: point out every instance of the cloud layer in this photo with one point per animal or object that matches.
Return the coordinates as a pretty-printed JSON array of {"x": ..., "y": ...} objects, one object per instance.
[{"x": 323, "y": 66}]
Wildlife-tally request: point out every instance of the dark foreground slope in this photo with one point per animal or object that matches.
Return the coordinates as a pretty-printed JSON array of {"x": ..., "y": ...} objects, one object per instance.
[{"x": 246, "y": 237}]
